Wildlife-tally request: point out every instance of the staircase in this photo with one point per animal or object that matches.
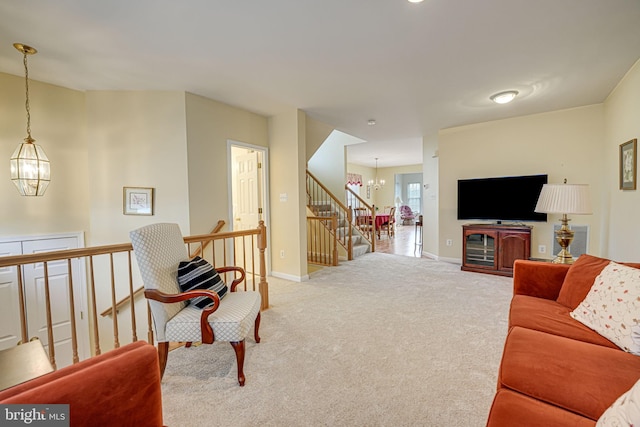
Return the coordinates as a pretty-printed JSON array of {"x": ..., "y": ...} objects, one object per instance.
[
  {"x": 322, "y": 203},
  {"x": 359, "y": 244}
]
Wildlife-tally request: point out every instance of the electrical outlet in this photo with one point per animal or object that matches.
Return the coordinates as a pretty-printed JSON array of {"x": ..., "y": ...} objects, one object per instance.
[
  {"x": 449, "y": 242},
  {"x": 281, "y": 253},
  {"x": 542, "y": 249}
]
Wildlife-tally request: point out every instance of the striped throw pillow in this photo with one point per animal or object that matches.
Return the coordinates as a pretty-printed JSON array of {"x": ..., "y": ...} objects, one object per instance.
[{"x": 199, "y": 274}]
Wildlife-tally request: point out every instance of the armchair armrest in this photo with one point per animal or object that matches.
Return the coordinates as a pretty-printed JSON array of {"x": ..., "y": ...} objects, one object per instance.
[
  {"x": 205, "y": 327},
  {"x": 538, "y": 279},
  {"x": 237, "y": 280}
]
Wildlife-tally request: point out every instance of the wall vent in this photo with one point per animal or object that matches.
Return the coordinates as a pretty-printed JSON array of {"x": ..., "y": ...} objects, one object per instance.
[{"x": 580, "y": 241}]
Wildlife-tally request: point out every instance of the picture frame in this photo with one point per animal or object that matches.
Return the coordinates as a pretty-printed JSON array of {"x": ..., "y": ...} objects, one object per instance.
[
  {"x": 629, "y": 165},
  {"x": 137, "y": 200}
]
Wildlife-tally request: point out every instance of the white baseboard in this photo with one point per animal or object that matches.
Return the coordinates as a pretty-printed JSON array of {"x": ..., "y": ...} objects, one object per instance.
[
  {"x": 451, "y": 260},
  {"x": 290, "y": 277}
]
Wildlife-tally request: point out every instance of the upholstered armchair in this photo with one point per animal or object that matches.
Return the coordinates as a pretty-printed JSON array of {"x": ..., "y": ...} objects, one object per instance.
[
  {"x": 406, "y": 215},
  {"x": 159, "y": 250}
]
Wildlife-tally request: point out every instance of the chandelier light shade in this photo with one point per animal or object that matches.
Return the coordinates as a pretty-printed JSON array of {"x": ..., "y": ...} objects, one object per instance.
[
  {"x": 30, "y": 169},
  {"x": 564, "y": 199},
  {"x": 376, "y": 185}
]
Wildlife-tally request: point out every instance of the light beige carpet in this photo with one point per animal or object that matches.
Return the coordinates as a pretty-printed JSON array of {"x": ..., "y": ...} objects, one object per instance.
[{"x": 384, "y": 340}]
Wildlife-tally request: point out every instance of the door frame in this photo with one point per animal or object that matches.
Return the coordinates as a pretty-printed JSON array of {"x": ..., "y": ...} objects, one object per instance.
[{"x": 265, "y": 188}]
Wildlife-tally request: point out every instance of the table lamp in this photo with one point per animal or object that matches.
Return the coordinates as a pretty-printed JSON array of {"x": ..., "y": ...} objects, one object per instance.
[{"x": 564, "y": 199}]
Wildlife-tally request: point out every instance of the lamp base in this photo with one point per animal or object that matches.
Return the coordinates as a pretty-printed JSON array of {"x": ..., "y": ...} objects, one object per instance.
[{"x": 564, "y": 237}]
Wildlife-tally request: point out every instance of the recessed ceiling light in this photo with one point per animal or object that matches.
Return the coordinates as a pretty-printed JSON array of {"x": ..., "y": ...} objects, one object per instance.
[
  {"x": 416, "y": 1},
  {"x": 504, "y": 97},
  {"x": 371, "y": 122}
]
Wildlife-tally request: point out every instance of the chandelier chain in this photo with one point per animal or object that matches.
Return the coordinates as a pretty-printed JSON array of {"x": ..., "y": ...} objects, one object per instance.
[{"x": 26, "y": 103}]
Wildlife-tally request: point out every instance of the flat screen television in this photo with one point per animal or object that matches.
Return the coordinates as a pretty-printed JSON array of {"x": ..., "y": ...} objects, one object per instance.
[{"x": 510, "y": 198}]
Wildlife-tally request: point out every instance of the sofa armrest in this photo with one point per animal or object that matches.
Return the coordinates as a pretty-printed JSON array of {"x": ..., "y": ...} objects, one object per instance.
[
  {"x": 119, "y": 387},
  {"x": 538, "y": 279}
]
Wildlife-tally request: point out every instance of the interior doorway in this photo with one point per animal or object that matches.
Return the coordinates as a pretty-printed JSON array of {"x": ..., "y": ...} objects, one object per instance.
[{"x": 248, "y": 195}]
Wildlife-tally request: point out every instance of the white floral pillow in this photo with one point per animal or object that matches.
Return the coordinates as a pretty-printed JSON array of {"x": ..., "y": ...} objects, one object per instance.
[
  {"x": 624, "y": 412},
  {"x": 612, "y": 306}
]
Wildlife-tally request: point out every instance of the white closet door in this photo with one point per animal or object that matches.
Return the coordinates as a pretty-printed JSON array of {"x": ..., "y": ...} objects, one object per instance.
[
  {"x": 35, "y": 296},
  {"x": 9, "y": 300}
]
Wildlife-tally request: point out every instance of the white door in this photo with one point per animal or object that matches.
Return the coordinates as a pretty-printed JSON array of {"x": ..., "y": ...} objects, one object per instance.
[
  {"x": 10, "y": 332},
  {"x": 59, "y": 296},
  {"x": 246, "y": 192},
  {"x": 248, "y": 196}
]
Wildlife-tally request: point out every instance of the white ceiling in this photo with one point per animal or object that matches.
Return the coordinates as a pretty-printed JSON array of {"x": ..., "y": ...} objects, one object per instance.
[{"x": 414, "y": 68}]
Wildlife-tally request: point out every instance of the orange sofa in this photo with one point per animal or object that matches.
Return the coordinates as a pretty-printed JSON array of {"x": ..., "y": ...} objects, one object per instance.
[
  {"x": 118, "y": 388},
  {"x": 554, "y": 370}
]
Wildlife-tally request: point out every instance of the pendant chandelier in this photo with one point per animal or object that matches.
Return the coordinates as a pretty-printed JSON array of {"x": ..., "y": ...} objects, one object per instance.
[
  {"x": 30, "y": 171},
  {"x": 376, "y": 184}
]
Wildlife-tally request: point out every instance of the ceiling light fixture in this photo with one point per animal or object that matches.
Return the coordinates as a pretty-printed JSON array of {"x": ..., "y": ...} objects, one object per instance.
[
  {"x": 371, "y": 122},
  {"x": 30, "y": 170},
  {"x": 416, "y": 1},
  {"x": 376, "y": 184},
  {"x": 504, "y": 97}
]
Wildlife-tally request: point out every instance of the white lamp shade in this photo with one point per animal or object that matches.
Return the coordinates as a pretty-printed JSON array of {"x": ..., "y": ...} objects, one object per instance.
[
  {"x": 30, "y": 170},
  {"x": 564, "y": 199}
]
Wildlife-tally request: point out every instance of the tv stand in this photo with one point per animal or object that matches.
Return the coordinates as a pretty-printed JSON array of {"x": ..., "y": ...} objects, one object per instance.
[{"x": 493, "y": 248}]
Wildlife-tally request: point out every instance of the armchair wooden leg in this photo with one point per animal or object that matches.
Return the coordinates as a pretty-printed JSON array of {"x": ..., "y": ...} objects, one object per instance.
[
  {"x": 256, "y": 327},
  {"x": 238, "y": 346},
  {"x": 163, "y": 353}
]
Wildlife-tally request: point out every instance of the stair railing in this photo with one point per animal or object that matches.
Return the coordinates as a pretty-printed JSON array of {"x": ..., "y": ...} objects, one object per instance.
[
  {"x": 364, "y": 217},
  {"x": 323, "y": 202},
  {"x": 322, "y": 242}
]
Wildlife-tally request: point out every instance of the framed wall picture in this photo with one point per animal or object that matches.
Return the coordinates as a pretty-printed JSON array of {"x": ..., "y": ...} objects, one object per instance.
[
  {"x": 628, "y": 165},
  {"x": 137, "y": 201}
]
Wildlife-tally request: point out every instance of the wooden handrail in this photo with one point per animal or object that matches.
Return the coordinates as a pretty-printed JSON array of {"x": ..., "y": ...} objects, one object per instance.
[
  {"x": 318, "y": 195},
  {"x": 335, "y": 199},
  {"x": 216, "y": 229},
  {"x": 368, "y": 234}
]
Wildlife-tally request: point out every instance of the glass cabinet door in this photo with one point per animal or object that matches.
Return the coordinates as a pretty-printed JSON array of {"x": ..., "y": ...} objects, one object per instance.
[{"x": 480, "y": 250}]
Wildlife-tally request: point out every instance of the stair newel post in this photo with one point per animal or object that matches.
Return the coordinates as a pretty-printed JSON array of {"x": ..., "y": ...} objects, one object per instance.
[
  {"x": 334, "y": 225},
  {"x": 350, "y": 233},
  {"x": 262, "y": 246}
]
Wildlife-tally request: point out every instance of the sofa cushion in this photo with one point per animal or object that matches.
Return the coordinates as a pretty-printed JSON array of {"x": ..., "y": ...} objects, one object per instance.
[
  {"x": 549, "y": 316},
  {"x": 612, "y": 306},
  {"x": 577, "y": 376},
  {"x": 625, "y": 411},
  {"x": 199, "y": 274},
  {"x": 580, "y": 278},
  {"x": 511, "y": 409}
]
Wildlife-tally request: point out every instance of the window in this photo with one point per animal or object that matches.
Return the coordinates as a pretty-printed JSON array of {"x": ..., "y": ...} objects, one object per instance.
[{"x": 413, "y": 196}]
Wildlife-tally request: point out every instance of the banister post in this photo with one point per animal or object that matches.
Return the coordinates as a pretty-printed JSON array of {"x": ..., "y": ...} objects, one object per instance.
[{"x": 263, "y": 286}]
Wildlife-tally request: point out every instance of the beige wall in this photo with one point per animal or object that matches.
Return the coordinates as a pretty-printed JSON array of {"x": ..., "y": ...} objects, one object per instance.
[
  {"x": 136, "y": 139},
  {"x": 210, "y": 124},
  {"x": 385, "y": 196},
  {"x": 430, "y": 202},
  {"x": 563, "y": 144},
  {"x": 316, "y": 133},
  {"x": 58, "y": 125},
  {"x": 622, "y": 123},
  {"x": 288, "y": 199},
  {"x": 329, "y": 162}
]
